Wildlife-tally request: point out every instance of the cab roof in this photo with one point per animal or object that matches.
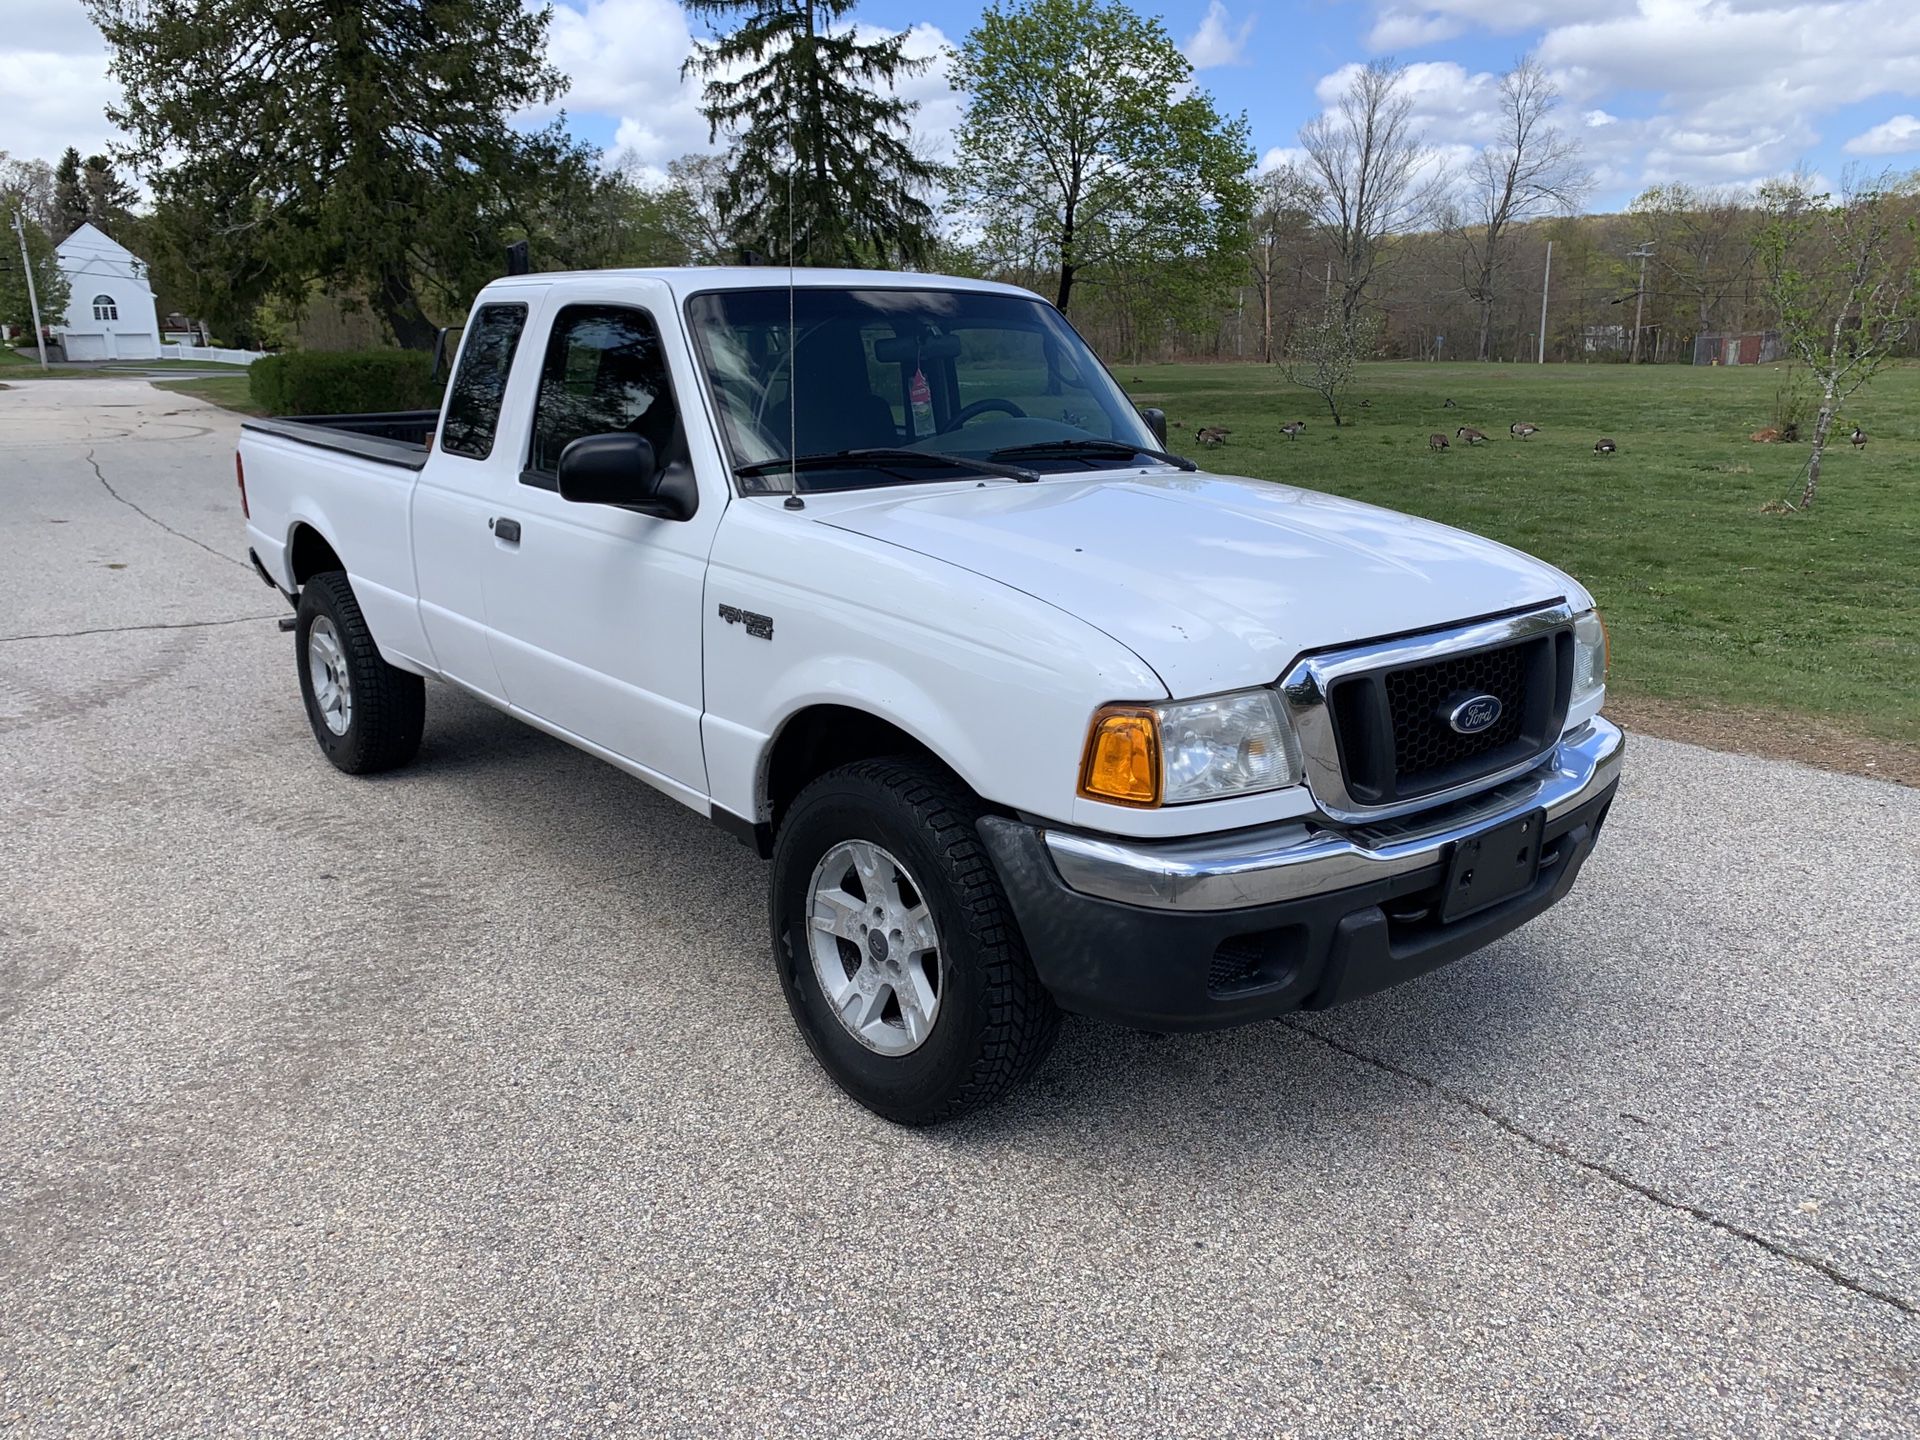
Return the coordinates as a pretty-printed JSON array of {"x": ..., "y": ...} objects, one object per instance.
[{"x": 685, "y": 280}]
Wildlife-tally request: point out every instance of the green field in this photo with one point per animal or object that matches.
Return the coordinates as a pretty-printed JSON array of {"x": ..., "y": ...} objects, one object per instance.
[{"x": 1708, "y": 600}]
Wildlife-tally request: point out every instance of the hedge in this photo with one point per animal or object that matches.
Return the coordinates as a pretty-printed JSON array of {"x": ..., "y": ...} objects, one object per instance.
[{"x": 325, "y": 382}]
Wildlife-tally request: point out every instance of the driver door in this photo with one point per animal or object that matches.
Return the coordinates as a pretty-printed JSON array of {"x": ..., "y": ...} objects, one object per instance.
[{"x": 594, "y": 611}]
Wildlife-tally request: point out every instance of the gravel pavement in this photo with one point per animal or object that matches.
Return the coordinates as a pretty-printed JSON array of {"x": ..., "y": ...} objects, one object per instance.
[{"x": 463, "y": 1101}]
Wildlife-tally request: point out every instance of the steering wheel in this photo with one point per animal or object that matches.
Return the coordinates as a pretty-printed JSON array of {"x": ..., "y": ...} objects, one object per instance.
[{"x": 981, "y": 407}]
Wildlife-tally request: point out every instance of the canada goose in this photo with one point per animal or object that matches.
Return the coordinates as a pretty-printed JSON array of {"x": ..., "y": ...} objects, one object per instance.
[
  {"x": 1520, "y": 429},
  {"x": 1604, "y": 447},
  {"x": 1366, "y": 404},
  {"x": 1436, "y": 441},
  {"x": 1449, "y": 405},
  {"x": 1766, "y": 435},
  {"x": 1292, "y": 432},
  {"x": 1859, "y": 438},
  {"x": 1212, "y": 434},
  {"x": 1470, "y": 435},
  {"x": 1790, "y": 431}
]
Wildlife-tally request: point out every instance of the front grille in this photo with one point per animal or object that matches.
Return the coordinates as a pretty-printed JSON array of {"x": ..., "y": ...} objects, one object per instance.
[
  {"x": 1392, "y": 728},
  {"x": 1422, "y": 696}
]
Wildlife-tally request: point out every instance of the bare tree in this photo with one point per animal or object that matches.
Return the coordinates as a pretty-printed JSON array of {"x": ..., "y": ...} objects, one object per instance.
[
  {"x": 1365, "y": 161},
  {"x": 1530, "y": 168},
  {"x": 1844, "y": 279},
  {"x": 1703, "y": 242},
  {"x": 1284, "y": 202}
]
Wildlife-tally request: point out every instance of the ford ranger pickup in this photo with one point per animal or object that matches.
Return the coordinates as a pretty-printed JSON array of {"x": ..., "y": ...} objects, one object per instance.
[{"x": 886, "y": 574}]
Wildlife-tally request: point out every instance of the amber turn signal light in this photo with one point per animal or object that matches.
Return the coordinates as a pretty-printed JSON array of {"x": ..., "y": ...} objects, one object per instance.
[{"x": 1122, "y": 764}]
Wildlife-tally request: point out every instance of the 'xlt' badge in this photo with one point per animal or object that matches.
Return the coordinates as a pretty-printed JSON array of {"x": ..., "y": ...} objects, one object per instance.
[{"x": 761, "y": 626}]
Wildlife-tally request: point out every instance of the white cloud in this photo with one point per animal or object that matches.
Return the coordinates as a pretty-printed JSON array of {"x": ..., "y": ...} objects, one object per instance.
[
  {"x": 1898, "y": 136},
  {"x": 1738, "y": 87},
  {"x": 1218, "y": 41},
  {"x": 53, "y": 73},
  {"x": 1279, "y": 156},
  {"x": 1405, "y": 30},
  {"x": 624, "y": 58}
]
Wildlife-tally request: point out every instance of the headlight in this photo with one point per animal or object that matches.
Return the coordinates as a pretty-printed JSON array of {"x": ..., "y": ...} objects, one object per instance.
[
  {"x": 1187, "y": 750},
  {"x": 1589, "y": 656}
]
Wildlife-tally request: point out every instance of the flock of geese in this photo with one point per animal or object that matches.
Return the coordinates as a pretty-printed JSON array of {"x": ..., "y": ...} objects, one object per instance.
[{"x": 1212, "y": 435}]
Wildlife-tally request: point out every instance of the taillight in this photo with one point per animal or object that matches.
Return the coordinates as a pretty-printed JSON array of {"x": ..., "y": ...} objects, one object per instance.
[{"x": 240, "y": 475}]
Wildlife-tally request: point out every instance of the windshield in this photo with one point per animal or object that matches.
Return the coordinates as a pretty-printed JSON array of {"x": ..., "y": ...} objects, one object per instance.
[{"x": 968, "y": 374}]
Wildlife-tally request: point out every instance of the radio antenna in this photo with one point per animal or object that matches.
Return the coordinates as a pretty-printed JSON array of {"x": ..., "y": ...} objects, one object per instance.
[{"x": 793, "y": 338}]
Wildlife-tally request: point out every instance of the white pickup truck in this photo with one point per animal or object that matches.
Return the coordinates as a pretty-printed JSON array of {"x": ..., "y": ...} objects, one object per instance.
[{"x": 885, "y": 574}]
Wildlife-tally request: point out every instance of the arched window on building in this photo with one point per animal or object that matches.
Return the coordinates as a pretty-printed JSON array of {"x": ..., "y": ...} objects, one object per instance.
[{"x": 104, "y": 308}]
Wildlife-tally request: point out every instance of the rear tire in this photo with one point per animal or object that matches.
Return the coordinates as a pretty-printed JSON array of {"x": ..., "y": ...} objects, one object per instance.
[
  {"x": 366, "y": 715},
  {"x": 969, "y": 1019}
]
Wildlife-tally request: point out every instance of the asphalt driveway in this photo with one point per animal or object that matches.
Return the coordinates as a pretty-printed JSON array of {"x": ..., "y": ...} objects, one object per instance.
[{"x": 463, "y": 1101}]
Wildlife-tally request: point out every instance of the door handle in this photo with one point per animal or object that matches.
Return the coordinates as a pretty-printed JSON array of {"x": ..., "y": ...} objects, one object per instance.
[{"x": 505, "y": 529}]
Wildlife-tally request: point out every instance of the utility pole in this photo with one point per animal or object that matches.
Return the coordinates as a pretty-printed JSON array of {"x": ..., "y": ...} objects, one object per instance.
[
  {"x": 1639, "y": 298},
  {"x": 1546, "y": 278},
  {"x": 33, "y": 295}
]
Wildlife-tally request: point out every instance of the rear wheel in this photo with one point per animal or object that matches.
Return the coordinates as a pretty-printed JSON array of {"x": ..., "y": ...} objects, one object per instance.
[
  {"x": 366, "y": 715},
  {"x": 898, "y": 954}
]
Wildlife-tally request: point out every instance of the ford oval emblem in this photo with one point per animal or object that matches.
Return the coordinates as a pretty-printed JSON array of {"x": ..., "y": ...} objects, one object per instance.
[{"x": 1475, "y": 714}]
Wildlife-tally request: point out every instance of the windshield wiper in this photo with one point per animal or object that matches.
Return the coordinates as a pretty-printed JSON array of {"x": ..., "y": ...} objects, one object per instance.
[
  {"x": 880, "y": 457},
  {"x": 1093, "y": 446}
]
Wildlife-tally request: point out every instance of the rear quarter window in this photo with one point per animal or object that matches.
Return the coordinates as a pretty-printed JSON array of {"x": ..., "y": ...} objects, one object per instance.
[{"x": 473, "y": 397}]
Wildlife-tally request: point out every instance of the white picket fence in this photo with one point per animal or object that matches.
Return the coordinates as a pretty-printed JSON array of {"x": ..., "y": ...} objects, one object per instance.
[{"x": 215, "y": 353}]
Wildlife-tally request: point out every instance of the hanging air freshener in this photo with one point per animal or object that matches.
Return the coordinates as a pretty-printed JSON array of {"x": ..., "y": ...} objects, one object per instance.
[{"x": 921, "y": 397}]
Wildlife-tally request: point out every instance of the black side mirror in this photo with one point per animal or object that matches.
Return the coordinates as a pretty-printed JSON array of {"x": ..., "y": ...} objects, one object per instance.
[
  {"x": 620, "y": 469},
  {"x": 1156, "y": 422}
]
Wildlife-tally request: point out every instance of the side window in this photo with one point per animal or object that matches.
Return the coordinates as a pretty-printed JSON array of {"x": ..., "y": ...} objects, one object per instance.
[
  {"x": 473, "y": 399},
  {"x": 604, "y": 371}
]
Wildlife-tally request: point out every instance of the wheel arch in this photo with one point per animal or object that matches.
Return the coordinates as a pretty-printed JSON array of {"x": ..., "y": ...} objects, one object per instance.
[
  {"x": 309, "y": 553},
  {"x": 824, "y": 736}
]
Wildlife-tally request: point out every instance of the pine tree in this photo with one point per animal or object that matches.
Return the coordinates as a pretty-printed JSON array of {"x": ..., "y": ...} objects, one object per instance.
[
  {"x": 69, "y": 194},
  {"x": 365, "y": 147},
  {"x": 811, "y": 107},
  {"x": 109, "y": 199}
]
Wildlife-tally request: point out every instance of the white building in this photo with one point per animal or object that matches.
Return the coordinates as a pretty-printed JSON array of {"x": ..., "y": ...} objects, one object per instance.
[{"x": 110, "y": 313}]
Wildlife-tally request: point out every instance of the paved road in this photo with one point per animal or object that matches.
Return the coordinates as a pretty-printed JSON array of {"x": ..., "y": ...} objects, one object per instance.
[{"x": 463, "y": 1101}]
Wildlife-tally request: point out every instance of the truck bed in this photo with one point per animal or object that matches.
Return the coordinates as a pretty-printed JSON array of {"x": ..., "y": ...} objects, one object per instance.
[{"x": 394, "y": 437}]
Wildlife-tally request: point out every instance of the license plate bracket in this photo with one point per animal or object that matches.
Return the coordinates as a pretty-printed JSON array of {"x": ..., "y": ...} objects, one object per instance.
[{"x": 1495, "y": 865}]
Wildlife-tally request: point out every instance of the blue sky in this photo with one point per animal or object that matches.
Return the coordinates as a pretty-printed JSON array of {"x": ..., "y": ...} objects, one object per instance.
[{"x": 1711, "y": 92}]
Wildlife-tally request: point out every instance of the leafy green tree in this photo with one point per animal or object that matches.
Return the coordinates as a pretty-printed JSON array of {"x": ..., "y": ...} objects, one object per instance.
[
  {"x": 1086, "y": 142},
  {"x": 366, "y": 147},
  {"x": 50, "y": 285},
  {"x": 810, "y": 107},
  {"x": 1843, "y": 274}
]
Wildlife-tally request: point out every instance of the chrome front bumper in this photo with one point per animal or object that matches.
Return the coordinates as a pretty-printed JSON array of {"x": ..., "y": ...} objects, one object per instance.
[{"x": 1287, "y": 862}]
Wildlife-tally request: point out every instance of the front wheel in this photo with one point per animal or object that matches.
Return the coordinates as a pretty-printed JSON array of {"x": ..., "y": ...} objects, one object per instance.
[
  {"x": 898, "y": 954},
  {"x": 366, "y": 714}
]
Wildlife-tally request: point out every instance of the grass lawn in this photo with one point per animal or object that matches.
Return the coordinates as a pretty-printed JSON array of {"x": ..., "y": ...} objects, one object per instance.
[
  {"x": 228, "y": 391},
  {"x": 1807, "y": 618}
]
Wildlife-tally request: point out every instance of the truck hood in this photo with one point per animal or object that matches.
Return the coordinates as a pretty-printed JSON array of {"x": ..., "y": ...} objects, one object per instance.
[{"x": 1214, "y": 581}]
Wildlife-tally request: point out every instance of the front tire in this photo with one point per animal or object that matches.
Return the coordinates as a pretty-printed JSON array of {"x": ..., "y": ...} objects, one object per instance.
[
  {"x": 366, "y": 715},
  {"x": 898, "y": 954}
]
